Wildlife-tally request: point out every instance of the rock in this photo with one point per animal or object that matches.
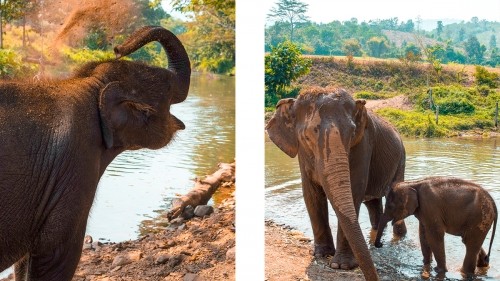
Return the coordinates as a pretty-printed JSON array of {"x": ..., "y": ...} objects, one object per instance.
[
  {"x": 161, "y": 259},
  {"x": 203, "y": 210},
  {"x": 178, "y": 221},
  {"x": 188, "y": 213},
  {"x": 88, "y": 239},
  {"x": 175, "y": 260},
  {"x": 116, "y": 268},
  {"x": 231, "y": 254},
  {"x": 127, "y": 258},
  {"x": 96, "y": 245},
  {"x": 182, "y": 227},
  {"x": 192, "y": 277}
]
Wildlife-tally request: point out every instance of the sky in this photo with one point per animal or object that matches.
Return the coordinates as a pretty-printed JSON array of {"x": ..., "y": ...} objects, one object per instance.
[{"x": 365, "y": 10}]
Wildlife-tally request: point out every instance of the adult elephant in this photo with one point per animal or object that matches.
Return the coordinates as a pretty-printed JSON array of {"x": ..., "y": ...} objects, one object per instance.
[
  {"x": 58, "y": 137},
  {"x": 347, "y": 155}
]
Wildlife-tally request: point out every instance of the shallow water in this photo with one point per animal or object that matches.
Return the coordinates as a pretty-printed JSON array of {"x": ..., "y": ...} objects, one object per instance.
[
  {"x": 139, "y": 184},
  {"x": 477, "y": 160}
]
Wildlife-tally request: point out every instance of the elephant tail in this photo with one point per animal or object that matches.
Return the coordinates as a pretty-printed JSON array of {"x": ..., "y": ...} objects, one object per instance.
[{"x": 492, "y": 233}]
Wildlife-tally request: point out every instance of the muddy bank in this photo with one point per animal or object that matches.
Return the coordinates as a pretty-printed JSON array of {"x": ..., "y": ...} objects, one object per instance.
[
  {"x": 202, "y": 248},
  {"x": 289, "y": 257},
  {"x": 198, "y": 249}
]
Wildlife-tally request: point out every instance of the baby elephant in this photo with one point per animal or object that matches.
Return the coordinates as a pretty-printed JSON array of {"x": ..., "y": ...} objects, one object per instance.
[{"x": 443, "y": 204}]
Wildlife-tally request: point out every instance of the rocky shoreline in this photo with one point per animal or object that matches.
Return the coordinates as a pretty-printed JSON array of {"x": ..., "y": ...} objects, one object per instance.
[{"x": 202, "y": 248}]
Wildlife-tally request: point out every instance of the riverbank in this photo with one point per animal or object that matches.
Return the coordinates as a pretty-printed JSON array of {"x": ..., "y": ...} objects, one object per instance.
[
  {"x": 417, "y": 98},
  {"x": 202, "y": 248},
  {"x": 289, "y": 257}
]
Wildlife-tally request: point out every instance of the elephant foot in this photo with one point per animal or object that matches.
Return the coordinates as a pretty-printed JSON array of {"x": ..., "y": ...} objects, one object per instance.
[
  {"x": 426, "y": 271},
  {"x": 399, "y": 228},
  {"x": 323, "y": 250},
  {"x": 482, "y": 259},
  {"x": 344, "y": 261}
]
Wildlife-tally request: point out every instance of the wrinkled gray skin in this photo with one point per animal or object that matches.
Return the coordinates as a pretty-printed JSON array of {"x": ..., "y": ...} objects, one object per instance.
[
  {"x": 58, "y": 137},
  {"x": 444, "y": 205},
  {"x": 347, "y": 155}
]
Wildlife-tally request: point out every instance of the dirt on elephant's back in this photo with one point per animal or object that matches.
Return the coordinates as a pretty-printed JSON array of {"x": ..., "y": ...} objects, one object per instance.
[{"x": 202, "y": 249}]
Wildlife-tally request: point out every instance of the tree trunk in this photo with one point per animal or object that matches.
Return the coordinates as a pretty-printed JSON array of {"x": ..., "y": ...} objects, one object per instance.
[
  {"x": 203, "y": 189},
  {"x": 1, "y": 25}
]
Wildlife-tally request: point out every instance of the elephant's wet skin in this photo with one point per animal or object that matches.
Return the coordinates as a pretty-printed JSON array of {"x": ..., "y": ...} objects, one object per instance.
[
  {"x": 58, "y": 137},
  {"x": 444, "y": 205},
  {"x": 347, "y": 155}
]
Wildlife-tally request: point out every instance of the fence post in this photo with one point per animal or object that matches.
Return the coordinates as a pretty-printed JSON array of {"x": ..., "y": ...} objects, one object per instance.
[
  {"x": 496, "y": 116},
  {"x": 437, "y": 114}
]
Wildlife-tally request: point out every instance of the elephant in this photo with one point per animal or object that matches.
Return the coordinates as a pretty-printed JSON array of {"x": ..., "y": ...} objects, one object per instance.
[
  {"x": 435, "y": 202},
  {"x": 58, "y": 137},
  {"x": 347, "y": 155}
]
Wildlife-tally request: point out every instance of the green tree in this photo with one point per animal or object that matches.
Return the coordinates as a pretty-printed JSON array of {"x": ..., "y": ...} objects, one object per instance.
[
  {"x": 475, "y": 51},
  {"x": 439, "y": 29},
  {"x": 493, "y": 42},
  {"x": 210, "y": 36},
  {"x": 413, "y": 53},
  {"x": 11, "y": 10},
  {"x": 378, "y": 46},
  {"x": 283, "y": 66},
  {"x": 291, "y": 12},
  {"x": 352, "y": 47},
  {"x": 461, "y": 35}
]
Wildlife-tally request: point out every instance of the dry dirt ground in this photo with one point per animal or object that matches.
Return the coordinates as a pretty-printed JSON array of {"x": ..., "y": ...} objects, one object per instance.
[
  {"x": 194, "y": 250},
  {"x": 289, "y": 258}
]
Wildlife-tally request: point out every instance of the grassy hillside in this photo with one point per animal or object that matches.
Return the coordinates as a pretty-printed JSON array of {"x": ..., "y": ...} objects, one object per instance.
[{"x": 464, "y": 104}]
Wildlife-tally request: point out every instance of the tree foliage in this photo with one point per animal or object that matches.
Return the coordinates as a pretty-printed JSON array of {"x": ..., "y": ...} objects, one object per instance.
[
  {"x": 210, "y": 35},
  {"x": 475, "y": 50},
  {"x": 291, "y": 12},
  {"x": 283, "y": 66}
]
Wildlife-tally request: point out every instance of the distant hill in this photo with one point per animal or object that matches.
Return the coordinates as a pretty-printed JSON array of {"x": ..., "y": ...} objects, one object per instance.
[{"x": 399, "y": 37}]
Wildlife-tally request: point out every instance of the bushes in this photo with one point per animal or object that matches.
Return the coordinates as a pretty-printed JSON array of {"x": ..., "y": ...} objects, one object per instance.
[
  {"x": 450, "y": 99},
  {"x": 11, "y": 65},
  {"x": 485, "y": 78},
  {"x": 282, "y": 66}
]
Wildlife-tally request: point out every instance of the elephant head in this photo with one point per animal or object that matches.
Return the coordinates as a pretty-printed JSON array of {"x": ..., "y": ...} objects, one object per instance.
[
  {"x": 321, "y": 126},
  {"x": 401, "y": 202},
  {"x": 135, "y": 98}
]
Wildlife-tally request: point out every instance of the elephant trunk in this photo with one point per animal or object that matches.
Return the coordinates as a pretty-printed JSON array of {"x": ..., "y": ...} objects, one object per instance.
[
  {"x": 178, "y": 60},
  {"x": 380, "y": 230},
  {"x": 337, "y": 186}
]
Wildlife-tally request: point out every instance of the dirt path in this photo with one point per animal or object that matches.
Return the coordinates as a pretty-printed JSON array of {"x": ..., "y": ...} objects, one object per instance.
[{"x": 399, "y": 102}]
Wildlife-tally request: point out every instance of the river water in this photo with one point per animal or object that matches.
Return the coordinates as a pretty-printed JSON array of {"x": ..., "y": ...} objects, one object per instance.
[
  {"x": 137, "y": 185},
  {"x": 474, "y": 159}
]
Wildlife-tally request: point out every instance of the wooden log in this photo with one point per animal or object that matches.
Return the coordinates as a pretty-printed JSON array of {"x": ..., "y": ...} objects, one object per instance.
[{"x": 203, "y": 189}]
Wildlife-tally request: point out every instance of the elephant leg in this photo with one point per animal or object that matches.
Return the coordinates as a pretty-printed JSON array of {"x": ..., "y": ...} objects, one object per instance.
[
  {"x": 55, "y": 264},
  {"x": 375, "y": 210},
  {"x": 21, "y": 269},
  {"x": 481, "y": 259},
  {"x": 317, "y": 208},
  {"x": 399, "y": 228},
  {"x": 435, "y": 238},
  {"x": 424, "y": 246},
  {"x": 473, "y": 240}
]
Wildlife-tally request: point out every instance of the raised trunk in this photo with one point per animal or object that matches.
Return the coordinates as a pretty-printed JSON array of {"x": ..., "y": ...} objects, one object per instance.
[
  {"x": 380, "y": 230},
  {"x": 337, "y": 186},
  {"x": 178, "y": 60}
]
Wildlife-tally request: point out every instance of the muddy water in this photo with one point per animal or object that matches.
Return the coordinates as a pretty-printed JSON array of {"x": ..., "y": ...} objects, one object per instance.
[{"x": 477, "y": 160}]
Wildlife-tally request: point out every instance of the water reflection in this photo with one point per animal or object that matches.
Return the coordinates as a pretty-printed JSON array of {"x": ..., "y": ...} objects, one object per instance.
[
  {"x": 477, "y": 160},
  {"x": 139, "y": 182}
]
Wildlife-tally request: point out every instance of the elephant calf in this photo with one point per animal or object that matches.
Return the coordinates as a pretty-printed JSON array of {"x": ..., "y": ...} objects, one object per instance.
[{"x": 444, "y": 204}]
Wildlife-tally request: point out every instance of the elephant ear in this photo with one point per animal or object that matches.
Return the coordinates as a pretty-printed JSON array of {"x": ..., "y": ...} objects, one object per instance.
[
  {"x": 281, "y": 128},
  {"x": 412, "y": 200},
  {"x": 121, "y": 116},
  {"x": 360, "y": 120}
]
